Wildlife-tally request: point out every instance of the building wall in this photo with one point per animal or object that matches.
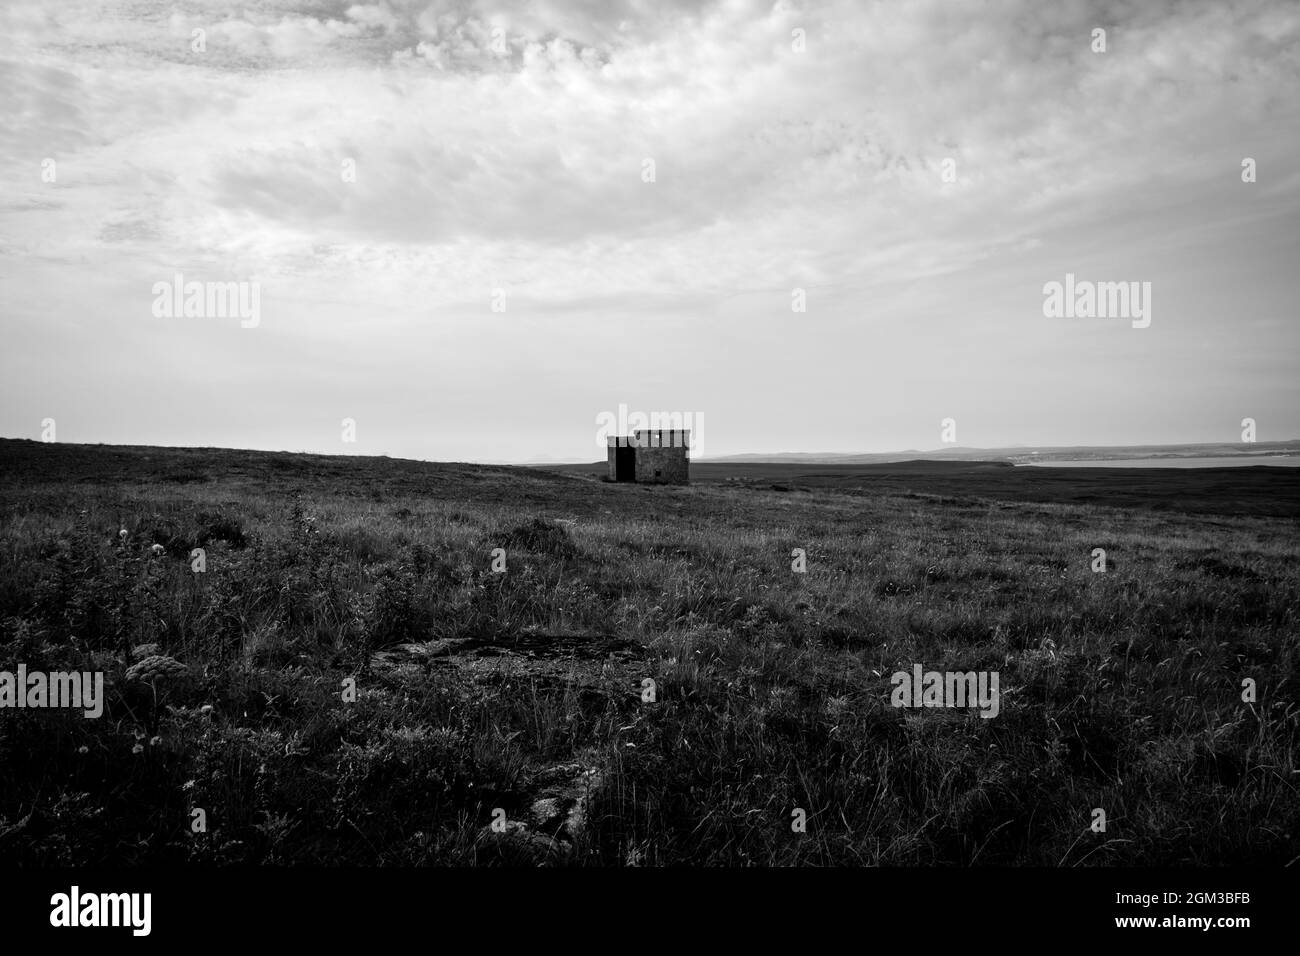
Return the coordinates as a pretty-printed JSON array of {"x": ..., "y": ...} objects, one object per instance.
[
  {"x": 661, "y": 457},
  {"x": 612, "y": 445},
  {"x": 620, "y": 448},
  {"x": 668, "y": 466}
]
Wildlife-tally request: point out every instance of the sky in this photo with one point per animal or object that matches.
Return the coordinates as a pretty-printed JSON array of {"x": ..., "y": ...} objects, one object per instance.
[{"x": 474, "y": 227}]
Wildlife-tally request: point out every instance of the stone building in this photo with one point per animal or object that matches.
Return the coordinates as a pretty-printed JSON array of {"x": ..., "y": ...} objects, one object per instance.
[{"x": 652, "y": 456}]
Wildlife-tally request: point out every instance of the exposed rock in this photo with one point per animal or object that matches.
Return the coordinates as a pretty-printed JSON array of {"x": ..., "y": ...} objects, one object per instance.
[
  {"x": 517, "y": 844},
  {"x": 561, "y": 805},
  {"x": 556, "y": 818}
]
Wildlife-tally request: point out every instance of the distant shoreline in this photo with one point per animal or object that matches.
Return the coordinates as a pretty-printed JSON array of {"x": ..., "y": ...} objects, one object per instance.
[{"x": 1277, "y": 461}]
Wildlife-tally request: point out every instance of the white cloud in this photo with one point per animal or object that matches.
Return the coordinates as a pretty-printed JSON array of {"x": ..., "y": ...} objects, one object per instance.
[{"x": 773, "y": 167}]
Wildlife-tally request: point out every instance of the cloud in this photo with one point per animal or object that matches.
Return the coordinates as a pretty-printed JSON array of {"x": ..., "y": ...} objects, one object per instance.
[{"x": 503, "y": 145}]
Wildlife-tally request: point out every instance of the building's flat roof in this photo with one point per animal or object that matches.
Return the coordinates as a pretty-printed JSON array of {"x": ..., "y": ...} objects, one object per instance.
[{"x": 642, "y": 435}]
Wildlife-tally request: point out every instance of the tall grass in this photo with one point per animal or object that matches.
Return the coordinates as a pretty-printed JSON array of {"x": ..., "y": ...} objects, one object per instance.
[{"x": 1121, "y": 691}]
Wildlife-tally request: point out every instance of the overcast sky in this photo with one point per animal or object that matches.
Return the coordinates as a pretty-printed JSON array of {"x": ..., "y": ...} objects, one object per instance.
[{"x": 501, "y": 148}]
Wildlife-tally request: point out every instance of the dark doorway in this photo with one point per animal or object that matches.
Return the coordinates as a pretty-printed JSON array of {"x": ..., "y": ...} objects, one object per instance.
[{"x": 625, "y": 463}]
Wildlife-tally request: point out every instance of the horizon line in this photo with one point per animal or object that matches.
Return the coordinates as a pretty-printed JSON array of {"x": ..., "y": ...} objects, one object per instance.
[{"x": 716, "y": 458}]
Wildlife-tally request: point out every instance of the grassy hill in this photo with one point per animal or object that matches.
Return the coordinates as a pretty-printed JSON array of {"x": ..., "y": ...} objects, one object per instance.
[
  {"x": 521, "y": 696},
  {"x": 1251, "y": 489},
  {"x": 1027, "y": 453}
]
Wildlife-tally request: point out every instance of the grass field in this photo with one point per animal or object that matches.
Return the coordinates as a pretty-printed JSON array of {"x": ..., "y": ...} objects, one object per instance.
[{"x": 502, "y": 717}]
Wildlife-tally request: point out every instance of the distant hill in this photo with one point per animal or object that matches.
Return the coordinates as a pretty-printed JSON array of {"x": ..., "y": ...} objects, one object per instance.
[
  {"x": 117, "y": 470},
  {"x": 1021, "y": 453}
]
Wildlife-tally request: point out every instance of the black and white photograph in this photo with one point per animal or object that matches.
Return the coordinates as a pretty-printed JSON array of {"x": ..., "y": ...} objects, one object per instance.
[{"x": 645, "y": 457}]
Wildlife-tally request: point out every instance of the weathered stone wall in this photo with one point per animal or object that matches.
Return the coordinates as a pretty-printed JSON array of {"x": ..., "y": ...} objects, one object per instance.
[
  {"x": 612, "y": 448},
  {"x": 663, "y": 457},
  {"x": 660, "y": 457},
  {"x": 665, "y": 466}
]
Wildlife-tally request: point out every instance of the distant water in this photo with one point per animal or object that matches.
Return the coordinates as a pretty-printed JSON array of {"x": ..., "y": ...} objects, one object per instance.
[{"x": 1282, "y": 461}]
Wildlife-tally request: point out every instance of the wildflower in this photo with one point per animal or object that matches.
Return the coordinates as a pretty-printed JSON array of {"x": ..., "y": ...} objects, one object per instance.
[
  {"x": 155, "y": 668},
  {"x": 157, "y": 549},
  {"x": 781, "y": 696},
  {"x": 122, "y": 534}
]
